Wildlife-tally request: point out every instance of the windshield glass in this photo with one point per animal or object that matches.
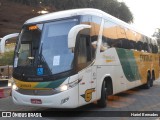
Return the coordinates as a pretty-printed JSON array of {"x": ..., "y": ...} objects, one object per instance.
[
  {"x": 54, "y": 47},
  {"x": 29, "y": 44},
  {"x": 45, "y": 46}
]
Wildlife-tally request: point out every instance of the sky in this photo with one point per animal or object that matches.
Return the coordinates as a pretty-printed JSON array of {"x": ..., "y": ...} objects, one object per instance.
[{"x": 146, "y": 14}]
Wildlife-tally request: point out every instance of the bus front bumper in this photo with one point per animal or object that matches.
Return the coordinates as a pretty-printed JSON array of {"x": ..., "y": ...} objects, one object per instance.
[{"x": 66, "y": 99}]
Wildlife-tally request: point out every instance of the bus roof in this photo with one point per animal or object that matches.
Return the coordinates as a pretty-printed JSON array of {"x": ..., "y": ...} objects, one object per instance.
[
  {"x": 65, "y": 13},
  {"x": 75, "y": 12}
]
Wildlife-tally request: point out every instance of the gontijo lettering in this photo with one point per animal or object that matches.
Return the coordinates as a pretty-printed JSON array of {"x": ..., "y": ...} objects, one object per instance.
[{"x": 146, "y": 58}]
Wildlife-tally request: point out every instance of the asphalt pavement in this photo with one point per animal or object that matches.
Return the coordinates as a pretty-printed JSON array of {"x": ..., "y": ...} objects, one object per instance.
[{"x": 134, "y": 104}]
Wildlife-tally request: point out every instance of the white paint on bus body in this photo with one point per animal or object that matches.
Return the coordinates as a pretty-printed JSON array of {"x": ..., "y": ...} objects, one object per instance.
[{"x": 3, "y": 40}]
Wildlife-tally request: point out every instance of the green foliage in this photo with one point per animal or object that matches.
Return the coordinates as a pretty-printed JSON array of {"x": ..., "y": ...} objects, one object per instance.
[
  {"x": 125, "y": 13},
  {"x": 113, "y": 7},
  {"x": 156, "y": 34},
  {"x": 6, "y": 58}
]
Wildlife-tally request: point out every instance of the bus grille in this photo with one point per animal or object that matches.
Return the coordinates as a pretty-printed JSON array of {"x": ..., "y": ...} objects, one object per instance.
[{"x": 37, "y": 92}]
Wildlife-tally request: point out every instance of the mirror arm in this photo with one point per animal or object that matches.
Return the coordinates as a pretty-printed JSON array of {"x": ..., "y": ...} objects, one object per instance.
[{"x": 73, "y": 34}]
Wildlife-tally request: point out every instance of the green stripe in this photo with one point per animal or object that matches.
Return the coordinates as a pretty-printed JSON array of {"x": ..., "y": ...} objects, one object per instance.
[
  {"x": 51, "y": 84},
  {"x": 42, "y": 84},
  {"x": 128, "y": 63}
]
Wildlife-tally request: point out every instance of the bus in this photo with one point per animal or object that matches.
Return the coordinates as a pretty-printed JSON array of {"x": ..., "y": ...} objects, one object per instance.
[{"x": 71, "y": 58}]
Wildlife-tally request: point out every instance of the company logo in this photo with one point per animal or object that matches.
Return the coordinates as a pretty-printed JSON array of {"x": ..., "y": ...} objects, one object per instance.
[
  {"x": 20, "y": 115},
  {"x": 25, "y": 85},
  {"x": 88, "y": 94},
  {"x": 6, "y": 114},
  {"x": 109, "y": 59},
  {"x": 35, "y": 79}
]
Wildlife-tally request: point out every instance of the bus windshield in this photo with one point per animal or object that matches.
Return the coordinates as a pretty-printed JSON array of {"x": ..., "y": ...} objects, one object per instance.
[
  {"x": 46, "y": 45},
  {"x": 54, "y": 47}
]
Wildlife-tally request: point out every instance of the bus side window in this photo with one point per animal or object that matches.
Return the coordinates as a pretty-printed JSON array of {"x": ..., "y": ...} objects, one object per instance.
[
  {"x": 95, "y": 23},
  {"x": 139, "y": 46},
  {"x": 109, "y": 38},
  {"x": 145, "y": 47},
  {"x": 156, "y": 48}
]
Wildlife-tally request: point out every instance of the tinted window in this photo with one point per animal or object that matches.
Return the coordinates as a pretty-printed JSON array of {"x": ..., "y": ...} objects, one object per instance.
[
  {"x": 29, "y": 44},
  {"x": 95, "y": 23},
  {"x": 109, "y": 35}
]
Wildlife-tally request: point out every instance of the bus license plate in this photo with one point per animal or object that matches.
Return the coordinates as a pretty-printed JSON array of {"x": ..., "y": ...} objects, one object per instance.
[{"x": 36, "y": 101}]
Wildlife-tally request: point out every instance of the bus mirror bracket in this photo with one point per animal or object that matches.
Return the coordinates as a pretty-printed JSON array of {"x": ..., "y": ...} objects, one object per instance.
[{"x": 73, "y": 34}]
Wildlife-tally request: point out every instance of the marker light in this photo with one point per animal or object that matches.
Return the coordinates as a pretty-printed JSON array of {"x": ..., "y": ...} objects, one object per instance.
[{"x": 33, "y": 27}]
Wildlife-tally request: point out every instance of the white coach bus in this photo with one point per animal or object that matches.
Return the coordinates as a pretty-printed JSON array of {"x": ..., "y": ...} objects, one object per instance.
[{"x": 71, "y": 58}]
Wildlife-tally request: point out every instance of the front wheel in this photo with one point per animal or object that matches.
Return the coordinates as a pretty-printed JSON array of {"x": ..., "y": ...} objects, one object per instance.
[{"x": 102, "y": 102}]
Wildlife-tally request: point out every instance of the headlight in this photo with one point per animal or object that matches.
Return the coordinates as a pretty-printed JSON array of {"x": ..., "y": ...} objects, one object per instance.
[
  {"x": 14, "y": 87},
  {"x": 67, "y": 86},
  {"x": 63, "y": 87}
]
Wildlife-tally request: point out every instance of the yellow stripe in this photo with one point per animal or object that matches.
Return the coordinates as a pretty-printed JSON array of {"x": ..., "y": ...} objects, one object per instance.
[{"x": 27, "y": 85}]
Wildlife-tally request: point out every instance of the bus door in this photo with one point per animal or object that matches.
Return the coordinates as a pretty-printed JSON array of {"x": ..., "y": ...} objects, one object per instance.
[{"x": 85, "y": 68}]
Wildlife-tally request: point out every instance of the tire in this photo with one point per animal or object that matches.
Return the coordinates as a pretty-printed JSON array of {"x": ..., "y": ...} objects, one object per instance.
[
  {"x": 149, "y": 81},
  {"x": 102, "y": 102},
  {"x": 153, "y": 78}
]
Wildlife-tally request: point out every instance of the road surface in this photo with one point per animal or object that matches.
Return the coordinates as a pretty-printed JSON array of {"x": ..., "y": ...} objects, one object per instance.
[{"x": 136, "y": 100}]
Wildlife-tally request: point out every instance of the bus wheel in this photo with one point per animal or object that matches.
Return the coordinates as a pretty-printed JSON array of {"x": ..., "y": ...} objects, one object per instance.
[
  {"x": 102, "y": 101},
  {"x": 148, "y": 84},
  {"x": 153, "y": 78}
]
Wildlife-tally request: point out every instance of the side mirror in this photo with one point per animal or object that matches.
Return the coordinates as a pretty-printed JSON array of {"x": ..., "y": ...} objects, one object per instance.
[
  {"x": 3, "y": 40},
  {"x": 73, "y": 34}
]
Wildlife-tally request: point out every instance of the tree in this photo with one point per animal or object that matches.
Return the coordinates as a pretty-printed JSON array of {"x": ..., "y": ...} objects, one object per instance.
[
  {"x": 6, "y": 58},
  {"x": 113, "y": 7},
  {"x": 125, "y": 13},
  {"x": 157, "y": 35}
]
